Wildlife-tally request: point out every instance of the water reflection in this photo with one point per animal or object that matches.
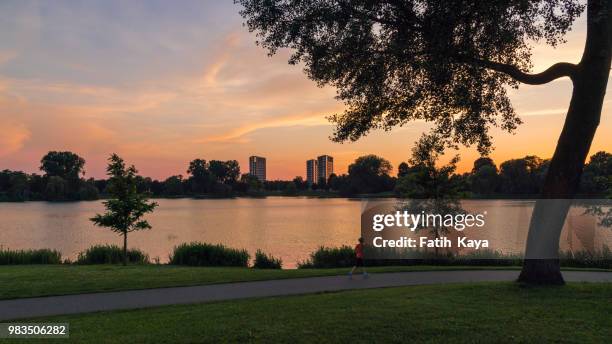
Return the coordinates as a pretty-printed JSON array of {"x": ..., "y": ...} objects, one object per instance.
[{"x": 286, "y": 227}]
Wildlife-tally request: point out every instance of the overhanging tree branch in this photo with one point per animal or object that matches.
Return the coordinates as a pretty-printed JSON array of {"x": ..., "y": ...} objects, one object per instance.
[{"x": 556, "y": 71}]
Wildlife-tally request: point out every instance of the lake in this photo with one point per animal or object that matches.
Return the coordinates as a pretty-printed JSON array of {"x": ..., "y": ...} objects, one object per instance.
[{"x": 287, "y": 227}]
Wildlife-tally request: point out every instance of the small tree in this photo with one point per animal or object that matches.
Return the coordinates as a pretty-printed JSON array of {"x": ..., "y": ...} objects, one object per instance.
[
  {"x": 430, "y": 188},
  {"x": 127, "y": 206},
  {"x": 424, "y": 179}
]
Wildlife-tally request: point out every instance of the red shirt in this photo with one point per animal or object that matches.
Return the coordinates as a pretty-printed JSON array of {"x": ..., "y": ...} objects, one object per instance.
[{"x": 359, "y": 250}]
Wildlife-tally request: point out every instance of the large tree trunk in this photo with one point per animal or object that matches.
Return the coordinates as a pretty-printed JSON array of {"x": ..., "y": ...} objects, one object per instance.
[
  {"x": 125, "y": 257},
  {"x": 541, "y": 264}
]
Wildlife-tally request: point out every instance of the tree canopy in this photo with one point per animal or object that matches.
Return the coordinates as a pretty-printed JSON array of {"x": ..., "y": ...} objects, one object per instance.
[
  {"x": 206, "y": 176},
  {"x": 597, "y": 177},
  {"x": 448, "y": 62},
  {"x": 66, "y": 165},
  {"x": 425, "y": 179},
  {"x": 370, "y": 174}
]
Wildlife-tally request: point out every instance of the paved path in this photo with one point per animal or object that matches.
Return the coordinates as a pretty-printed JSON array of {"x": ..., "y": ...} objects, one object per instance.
[{"x": 83, "y": 303}]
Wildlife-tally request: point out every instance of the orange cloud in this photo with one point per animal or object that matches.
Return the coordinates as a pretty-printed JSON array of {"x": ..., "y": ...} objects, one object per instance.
[{"x": 13, "y": 137}]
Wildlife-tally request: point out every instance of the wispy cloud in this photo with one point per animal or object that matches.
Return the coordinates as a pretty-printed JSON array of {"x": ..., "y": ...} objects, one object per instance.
[
  {"x": 238, "y": 134},
  {"x": 545, "y": 112}
]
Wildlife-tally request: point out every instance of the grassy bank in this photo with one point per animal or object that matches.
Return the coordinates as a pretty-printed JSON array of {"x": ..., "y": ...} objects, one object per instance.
[
  {"x": 36, "y": 280},
  {"x": 468, "y": 313}
]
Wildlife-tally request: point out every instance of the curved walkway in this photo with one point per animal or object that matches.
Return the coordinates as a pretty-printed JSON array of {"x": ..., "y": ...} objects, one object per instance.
[{"x": 84, "y": 303}]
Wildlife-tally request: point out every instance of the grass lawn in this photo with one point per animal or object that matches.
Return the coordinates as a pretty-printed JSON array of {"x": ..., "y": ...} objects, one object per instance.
[
  {"x": 43, "y": 280},
  {"x": 481, "y": 312}
]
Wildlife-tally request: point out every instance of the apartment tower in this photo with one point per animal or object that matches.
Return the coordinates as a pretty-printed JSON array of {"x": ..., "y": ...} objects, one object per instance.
[
  {"x": 312, "y": 171},
  {"x": 257, "y": 167},
  {"x": 325, "y": 166}
]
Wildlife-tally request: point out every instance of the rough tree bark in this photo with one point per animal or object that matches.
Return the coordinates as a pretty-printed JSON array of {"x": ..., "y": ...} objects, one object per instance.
[{"x": 590, "y": 78}]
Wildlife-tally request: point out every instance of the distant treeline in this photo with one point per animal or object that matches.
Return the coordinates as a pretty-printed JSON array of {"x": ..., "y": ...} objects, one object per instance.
[{"x": 63, "y": 180}]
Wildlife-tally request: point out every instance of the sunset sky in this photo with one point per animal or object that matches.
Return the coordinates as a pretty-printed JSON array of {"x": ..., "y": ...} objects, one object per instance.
[{"x": 161, "y": 83}]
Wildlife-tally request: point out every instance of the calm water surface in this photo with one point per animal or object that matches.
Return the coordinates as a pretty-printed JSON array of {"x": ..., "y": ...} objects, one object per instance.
[{"x": 287, "y": 227}]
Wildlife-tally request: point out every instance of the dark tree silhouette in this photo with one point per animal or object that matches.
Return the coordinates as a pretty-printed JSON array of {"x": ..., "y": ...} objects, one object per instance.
[
  {"x": 484, "y": 179},
  {"x": 521, "y": 176},
  {"x": 65, "y": 165},
  {"x": 370, "y": 174},
  {"x": 483, "y": 162},
  {"x": 402, "y": 169},
  {"x": 226, "y": 172},
  {"x": 449, "y": 62},
  {"x": 425, "y": 179},
  {"x": 597, "y": 176},
  {"x": 63, "y": 168},
  {"x": 201, "y": 178}
]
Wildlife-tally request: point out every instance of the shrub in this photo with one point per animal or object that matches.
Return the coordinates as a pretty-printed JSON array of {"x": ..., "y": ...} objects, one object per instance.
[
  {"x": 330, "y": 257},
  {"x": 266, "y": 261},
  {"x": 204, "y": 254},
  {"x": 111, "y": 254},
  {"x": 40, "y": 256}
]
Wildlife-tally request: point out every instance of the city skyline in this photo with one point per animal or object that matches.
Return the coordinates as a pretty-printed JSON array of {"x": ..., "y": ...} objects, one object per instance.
[{"x": 82, "y": 77}]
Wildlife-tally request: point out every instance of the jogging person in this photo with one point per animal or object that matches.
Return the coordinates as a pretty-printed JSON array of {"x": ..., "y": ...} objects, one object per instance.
[{"x": 359, "y": 260}]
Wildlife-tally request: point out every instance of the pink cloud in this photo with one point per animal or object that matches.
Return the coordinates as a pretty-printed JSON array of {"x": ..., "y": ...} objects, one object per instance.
[{"x": 13, "y": 137}]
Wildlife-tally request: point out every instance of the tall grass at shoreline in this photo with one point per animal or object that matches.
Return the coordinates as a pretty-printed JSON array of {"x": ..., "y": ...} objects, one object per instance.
[
  {"x": 329, "y": 257},
  {"x": 266, "y": 261},
  {"x": 38, "y": 256},
  {"x": 111, "y": 254},
  {"x": 585, "y": 259},
  {"x": 204, "y": 254},
  {"x": 344, "y": 256}
]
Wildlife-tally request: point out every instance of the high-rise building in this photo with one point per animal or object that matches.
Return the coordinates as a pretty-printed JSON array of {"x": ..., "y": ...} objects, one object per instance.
[
  {"x": 325, "y": 165},
  {"x": 312, "y": 171},
  {"x": 257, "y": 167}
]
